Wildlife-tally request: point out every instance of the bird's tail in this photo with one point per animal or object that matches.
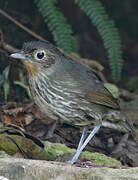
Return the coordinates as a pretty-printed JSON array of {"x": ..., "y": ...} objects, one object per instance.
[
  {"x": 130, "y": 128},
  {"x": 120, "y": 120}
]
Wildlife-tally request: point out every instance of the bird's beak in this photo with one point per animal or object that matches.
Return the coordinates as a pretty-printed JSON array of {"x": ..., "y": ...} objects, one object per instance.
[{"x": 19, "y": 55}]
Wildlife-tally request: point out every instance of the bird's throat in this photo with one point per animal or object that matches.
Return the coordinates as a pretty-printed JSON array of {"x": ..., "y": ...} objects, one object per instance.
[{"x": 30, "y": 68}]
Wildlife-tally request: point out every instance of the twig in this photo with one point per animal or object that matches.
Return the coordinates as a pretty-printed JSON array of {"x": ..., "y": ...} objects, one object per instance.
[
  {"x": 6, "y": 46},
  {"x": 21, "y": 25},
  {"x": 20, "y": 149},
  {"x": 1, "y": 36}
]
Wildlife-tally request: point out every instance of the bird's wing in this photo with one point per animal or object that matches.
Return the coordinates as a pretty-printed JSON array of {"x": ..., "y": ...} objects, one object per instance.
[
  {"x": 89, "y": 84},
  {"x": 103, "y": 98}
]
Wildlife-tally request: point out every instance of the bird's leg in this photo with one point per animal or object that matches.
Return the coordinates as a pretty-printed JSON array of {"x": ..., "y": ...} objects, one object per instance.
[
  {"x": 83, "y": 136},
  {"x": 75, "y": 157}
]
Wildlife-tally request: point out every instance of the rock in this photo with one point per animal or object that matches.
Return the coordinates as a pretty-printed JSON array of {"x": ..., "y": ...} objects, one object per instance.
[
  {"x": 24, "y": 169},
  {"x": 3, "y": 154}
]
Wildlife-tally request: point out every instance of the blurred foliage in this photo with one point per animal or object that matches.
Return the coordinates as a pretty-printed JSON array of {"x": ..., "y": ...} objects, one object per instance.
[
  {"x": 4, "y": 82},
  {"x": 58, "y": 24},
  {"x": 62, "y": 32},
  {"x": 132, "y": 84}
]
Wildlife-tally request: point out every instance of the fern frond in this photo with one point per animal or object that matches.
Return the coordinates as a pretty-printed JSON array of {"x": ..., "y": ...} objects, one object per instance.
[
  {"x": 58, "y": 25},
  {"x": 109, "y": 33}
]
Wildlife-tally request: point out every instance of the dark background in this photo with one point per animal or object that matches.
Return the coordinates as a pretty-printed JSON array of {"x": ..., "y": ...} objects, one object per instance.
[{"x": 90, "y": 44}]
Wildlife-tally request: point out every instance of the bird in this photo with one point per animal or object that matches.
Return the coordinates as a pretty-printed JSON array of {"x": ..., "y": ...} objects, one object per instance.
[{"x": 66, "y": 90}]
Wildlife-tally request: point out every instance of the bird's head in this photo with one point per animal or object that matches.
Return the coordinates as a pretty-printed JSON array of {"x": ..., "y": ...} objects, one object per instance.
[{"x": 37, "y": 56}]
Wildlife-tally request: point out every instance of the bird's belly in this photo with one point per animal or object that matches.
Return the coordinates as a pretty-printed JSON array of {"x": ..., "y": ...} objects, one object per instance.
[
  {"x": 61, "y": 111},
  {"x": 68, "y": 112},
  {"x": 63, "y": 105}
]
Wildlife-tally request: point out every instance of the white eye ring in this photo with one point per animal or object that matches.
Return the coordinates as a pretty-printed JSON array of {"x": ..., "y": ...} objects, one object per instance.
[{"x": 39, "y": 55}]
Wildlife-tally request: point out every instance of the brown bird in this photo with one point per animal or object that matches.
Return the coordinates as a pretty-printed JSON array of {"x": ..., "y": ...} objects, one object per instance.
[{"x": 65, "y": 90}]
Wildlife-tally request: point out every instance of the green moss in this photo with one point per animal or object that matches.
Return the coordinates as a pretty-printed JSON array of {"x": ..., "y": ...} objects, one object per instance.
[
  {"x": 58, "y": 149},
  {"x": 101, "y": 159},
  {"x": 28, "y": 146},
  {"x": 50, "y": 151},
  {"x": 7, "y": 145}
]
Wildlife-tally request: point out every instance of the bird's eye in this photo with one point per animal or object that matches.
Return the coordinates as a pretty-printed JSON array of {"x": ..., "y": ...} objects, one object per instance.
[{"x": 40, "y": 55}]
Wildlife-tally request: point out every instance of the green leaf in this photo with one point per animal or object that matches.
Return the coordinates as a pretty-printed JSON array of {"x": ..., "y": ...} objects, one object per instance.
[
  {"x": 108, "y": 31},
  {"x": 112, "y": 89},
  {"x": 6, "y": 72},
  {"x": 1, "y": 79},
  {"x": 57, "y": 24},
  {"x": 6, "y": 88}
]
